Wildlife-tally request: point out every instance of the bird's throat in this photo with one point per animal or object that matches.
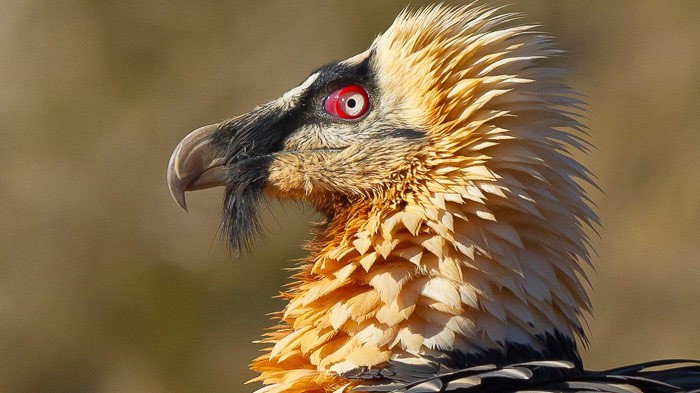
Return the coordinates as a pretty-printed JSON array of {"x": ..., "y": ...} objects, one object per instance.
[{"x": 423, "y": 279}]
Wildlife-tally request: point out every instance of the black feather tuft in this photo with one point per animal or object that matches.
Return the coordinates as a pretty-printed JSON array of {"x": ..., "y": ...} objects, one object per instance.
[
  {"x": 244, "y": 193},
  {"x": 250, "y": 141}
]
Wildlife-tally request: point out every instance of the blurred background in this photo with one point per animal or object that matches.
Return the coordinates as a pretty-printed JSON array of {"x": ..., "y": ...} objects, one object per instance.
[{"x": 107, "y": 286}]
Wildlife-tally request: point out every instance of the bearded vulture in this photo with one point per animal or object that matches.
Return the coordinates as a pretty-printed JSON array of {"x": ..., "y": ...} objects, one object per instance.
[{"x": 453, "y": 249}]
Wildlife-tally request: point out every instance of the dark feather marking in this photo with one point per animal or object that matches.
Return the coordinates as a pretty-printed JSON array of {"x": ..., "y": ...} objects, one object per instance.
[
  {"x": 241, "y": 220},
  {"x": 249, "y": 140},
  {"x": 334, "y": 75},
  {"x": 557, "y": 346},
  {"x": 406, "y": 133},
  {"x": 684, "y": 376}
]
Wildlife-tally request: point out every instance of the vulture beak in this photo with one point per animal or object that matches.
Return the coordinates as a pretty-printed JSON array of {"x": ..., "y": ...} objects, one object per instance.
[
  {"x": 196, "y": 163},
  {"x": 235, "y": 154}
]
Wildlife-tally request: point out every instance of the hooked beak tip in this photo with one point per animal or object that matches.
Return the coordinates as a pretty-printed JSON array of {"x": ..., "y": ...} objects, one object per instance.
[
  {"x": 196, "y": 163},
  {"x": 176, "y": 184}
]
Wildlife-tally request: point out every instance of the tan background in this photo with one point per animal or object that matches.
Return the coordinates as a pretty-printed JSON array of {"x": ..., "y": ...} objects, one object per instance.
[{"x": 106, "y": 286}]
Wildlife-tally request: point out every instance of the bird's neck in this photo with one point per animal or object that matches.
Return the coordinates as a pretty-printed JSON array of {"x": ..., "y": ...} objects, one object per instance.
[{"x": 436, "y": 276}]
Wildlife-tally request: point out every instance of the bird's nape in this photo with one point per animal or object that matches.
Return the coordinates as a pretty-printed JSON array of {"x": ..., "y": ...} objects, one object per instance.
[{"x": 454, "y": 249}]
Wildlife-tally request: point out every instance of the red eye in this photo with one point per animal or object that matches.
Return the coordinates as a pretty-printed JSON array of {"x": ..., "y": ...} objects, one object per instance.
[{"x": 349, "y": 102}]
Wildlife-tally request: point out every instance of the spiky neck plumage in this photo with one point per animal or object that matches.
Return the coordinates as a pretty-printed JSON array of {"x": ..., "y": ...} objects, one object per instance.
[{"x": 475, "y": 254}]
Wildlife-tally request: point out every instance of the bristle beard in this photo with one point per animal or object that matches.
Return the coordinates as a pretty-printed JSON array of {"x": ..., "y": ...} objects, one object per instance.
[{"x": 244, "y": 192}]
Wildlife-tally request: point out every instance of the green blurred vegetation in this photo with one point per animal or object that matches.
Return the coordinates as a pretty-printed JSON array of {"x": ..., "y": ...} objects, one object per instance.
[{"x": 106, "y": 286}]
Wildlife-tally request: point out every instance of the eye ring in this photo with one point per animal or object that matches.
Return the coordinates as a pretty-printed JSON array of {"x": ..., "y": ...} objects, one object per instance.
[{"x": 348, "y": 103}]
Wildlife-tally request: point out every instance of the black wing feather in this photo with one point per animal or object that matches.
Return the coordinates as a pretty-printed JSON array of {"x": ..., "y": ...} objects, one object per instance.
[{"x": 679, "y": 375}]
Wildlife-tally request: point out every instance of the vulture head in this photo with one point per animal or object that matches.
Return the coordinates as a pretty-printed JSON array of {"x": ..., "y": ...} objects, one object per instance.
[
  {"x": 338, "y": 139},
  {"x": 455, "y": 214}
]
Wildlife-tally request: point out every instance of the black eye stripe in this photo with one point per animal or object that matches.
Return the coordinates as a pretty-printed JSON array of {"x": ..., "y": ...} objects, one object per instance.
[
  {"x": 333, "y": 76},
  {"x": 309, "y": 105},
  {"x": 406, "y": 133}
]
